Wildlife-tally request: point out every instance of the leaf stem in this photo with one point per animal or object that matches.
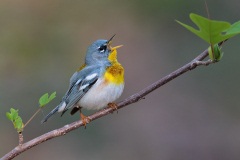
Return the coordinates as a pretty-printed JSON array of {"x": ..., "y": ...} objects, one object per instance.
[{"x": 32, "y": 117}]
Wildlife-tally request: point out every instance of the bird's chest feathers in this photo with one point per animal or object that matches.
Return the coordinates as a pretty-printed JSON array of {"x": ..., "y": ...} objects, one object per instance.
[
  {"x": 101, "y": 94},
  {"x": 114, "y": 74}
]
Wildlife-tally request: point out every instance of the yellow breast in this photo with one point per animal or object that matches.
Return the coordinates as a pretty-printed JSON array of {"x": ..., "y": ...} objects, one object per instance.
[{"x": 114, "y": 73}]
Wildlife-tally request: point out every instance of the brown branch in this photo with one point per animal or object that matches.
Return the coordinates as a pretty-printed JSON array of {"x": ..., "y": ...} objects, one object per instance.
[
  {"x": 20, "y": 137},
  {"x": 132, "y": 99}
]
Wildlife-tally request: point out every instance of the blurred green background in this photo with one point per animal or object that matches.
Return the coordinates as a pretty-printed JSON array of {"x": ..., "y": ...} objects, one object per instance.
[{"x": 194, "y": 117}]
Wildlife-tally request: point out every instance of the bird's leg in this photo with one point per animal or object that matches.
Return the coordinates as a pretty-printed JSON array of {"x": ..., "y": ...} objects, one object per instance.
[
  {"x": 84, "y": 119},
  {"x": 113, "y": 106}
]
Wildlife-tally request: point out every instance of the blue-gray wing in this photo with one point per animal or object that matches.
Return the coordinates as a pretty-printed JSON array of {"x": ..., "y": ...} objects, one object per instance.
[
  {"x": 80, "y": 83},
  {"x": 79, "y": 87}
]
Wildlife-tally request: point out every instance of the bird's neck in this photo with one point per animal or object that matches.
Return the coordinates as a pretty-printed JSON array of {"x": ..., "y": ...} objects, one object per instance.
[
  {"x": 115, "y": 72},
  {"x": 113, "y": 57}
]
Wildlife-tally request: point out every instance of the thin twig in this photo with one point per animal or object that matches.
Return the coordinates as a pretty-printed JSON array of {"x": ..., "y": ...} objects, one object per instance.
[
  {"x": 204, "y": 63},
  {"x": 32, "y": 117},
  {"x": 20, "y": 137},
  {"x": 132, "y": 99}
]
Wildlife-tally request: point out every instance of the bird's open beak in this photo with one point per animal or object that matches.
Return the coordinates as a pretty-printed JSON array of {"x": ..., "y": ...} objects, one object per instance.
[
  {"x": 110, "y": 40},
  {"x": 114, "y": 48},
  {"x": 109, "y": 44}
]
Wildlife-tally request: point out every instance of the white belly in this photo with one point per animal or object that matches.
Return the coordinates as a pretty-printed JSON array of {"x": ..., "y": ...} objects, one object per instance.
[{"x": 100, "y": 95}]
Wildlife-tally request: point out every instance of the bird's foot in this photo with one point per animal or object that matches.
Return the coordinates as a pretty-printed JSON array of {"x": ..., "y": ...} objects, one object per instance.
[
  {"x": 85, "y": 120},
  {"x": 113, "y": 106}
]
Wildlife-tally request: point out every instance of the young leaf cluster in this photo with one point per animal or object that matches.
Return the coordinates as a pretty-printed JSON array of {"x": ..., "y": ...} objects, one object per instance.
[
  {"x": 213, "y": 32},
  {"x": 16, "y": 120},
  {"x": 45, "y": 99}
]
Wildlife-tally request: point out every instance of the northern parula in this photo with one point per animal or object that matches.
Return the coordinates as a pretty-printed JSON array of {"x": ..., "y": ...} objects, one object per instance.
[{"x": 96, "y": 84}]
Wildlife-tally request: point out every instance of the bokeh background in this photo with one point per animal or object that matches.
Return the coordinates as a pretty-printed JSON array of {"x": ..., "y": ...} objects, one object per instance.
[{"x": 196, "y": 116}]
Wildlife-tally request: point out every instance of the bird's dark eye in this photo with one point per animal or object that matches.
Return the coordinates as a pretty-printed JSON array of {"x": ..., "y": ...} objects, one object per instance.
[{"x": 102, "y": 48}]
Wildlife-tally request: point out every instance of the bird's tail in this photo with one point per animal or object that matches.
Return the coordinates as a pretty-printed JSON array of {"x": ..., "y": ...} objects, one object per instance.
[{"x": 50, "y": 114}]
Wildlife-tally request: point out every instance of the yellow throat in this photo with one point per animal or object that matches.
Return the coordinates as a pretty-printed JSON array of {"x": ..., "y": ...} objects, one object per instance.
[{"x": 115, "y": 73}]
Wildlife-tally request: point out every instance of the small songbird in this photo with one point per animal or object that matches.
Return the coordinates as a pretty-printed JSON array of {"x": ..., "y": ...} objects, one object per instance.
[{"x": 96, "y": 84}]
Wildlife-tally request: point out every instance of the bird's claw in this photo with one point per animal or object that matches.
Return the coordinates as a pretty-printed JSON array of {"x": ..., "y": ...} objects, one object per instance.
[
  {"x": 113, "y": 106},
  {"x": 85, "y": 120}
]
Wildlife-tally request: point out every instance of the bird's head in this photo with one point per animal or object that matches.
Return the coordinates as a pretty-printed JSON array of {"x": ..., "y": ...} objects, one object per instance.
[{"x": 101, "y": 52}]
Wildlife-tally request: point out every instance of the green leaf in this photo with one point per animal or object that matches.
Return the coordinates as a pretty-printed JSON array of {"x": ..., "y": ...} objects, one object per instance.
[
  {"x": 9, "y": 116},
  {"x": 52, "y": 96},
  {"x": 19, "y": 124},
  {"x": 14, "y": 113},
  {"x": 216, "y": 54},
  {"x": 45, "y": 99},
  {"x": 212, "y": 31},
  {"x": 16, "y": 119},
  {"x": 234, "y": 29}
]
